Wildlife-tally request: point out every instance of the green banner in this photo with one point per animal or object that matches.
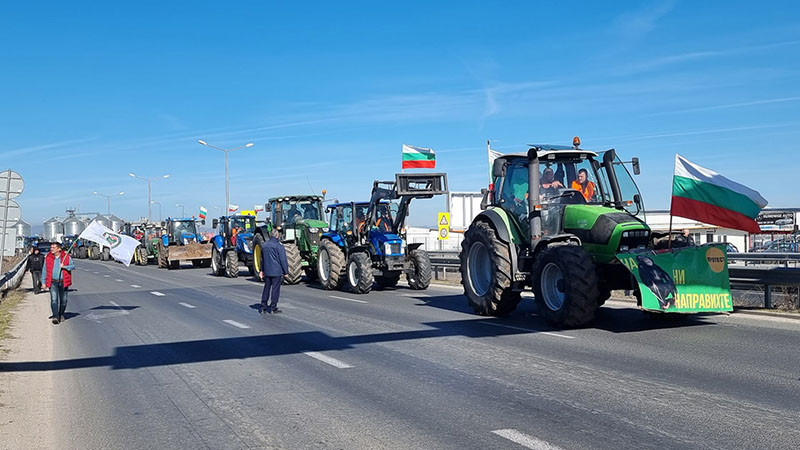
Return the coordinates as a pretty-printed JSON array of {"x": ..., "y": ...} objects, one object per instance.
[{"x": 689, "y": 279}]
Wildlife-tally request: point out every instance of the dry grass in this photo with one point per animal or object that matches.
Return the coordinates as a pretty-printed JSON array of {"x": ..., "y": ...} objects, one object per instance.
[{"x": 7, "y": 307}]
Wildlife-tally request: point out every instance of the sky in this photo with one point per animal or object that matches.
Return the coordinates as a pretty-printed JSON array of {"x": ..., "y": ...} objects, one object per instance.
[{"x": 329, "y": 91}]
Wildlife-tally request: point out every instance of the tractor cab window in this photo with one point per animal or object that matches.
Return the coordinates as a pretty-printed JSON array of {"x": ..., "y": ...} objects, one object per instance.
[
  {"x": 514, "y": 191},
  {"x": 244, "y": 224},
  {"x": 182, "y": 227},
  {"x": 302, "y": 209},
  {"x": 385, "y": 217},
  {"x": 334, "y": 219},
  {"x": 345, "y": 222},
  {"x": 569, "y": 181},
  {"x": 628, "y": 189}
]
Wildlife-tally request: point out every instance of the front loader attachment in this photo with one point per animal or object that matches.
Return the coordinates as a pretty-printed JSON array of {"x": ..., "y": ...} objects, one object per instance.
[
  {"x": 683, "y": 280},
  {"x": 420, "y": 184},
  {"x": 190, "y": 251}
]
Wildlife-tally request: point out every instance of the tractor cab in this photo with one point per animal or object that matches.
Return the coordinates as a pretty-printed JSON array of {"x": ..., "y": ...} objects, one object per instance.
[{"x": 180, "y": 231}]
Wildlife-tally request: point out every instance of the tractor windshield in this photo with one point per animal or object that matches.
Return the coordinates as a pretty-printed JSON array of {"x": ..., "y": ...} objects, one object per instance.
[
  {"x": 295, "y": 210},
  {"x": 244, "y": 224},
  {"x": 180, "y": 227}
]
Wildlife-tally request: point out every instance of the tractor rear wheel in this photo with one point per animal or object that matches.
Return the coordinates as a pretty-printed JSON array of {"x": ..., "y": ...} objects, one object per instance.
[
  {"x": 359, "y": 273},
  {"x": 295, "y": 264},
  {"x": 486, "y": 271},
  {"x": 387, "y": 281},
  {"x": 565, "y": 285},
  {"x": 330, "y": 263},
  {"x": 197, "y": 263},
  {"x": 231, "y": 264},
  {"x": 217, "y": 269},
  {"x": 419, "y": 274},
  {"x": 174, "y": 265}
]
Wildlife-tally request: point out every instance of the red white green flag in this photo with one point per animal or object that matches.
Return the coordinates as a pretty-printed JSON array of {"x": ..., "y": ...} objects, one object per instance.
[
  {"x": 702, "y": 194},
  {"x": 418, "y": 158},
  {"x": 203, "y": 212}
]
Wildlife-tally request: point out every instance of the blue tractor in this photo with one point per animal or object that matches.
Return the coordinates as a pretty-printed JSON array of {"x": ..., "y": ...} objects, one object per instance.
[
  {"x": 180, "y": 241},
  {"x": 232, "y": 244},
  {"x": 366, "y": 241}
]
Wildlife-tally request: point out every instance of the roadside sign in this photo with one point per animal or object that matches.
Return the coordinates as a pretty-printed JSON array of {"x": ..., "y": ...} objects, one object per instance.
[
  {"x": 444, "y": 226},
  {"x": 11, "y": 183},
  {"x": 13, "y": 216}
]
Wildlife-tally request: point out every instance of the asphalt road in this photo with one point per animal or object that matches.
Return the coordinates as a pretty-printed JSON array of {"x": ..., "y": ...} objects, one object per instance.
[{"x": 151, "y": 358}]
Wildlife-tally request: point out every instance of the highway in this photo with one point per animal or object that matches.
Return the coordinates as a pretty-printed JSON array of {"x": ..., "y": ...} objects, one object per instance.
[{"x": 151, "y": 358}]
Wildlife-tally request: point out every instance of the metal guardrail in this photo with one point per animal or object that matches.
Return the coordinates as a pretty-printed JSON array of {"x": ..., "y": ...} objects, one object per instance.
[
  {"x": 13, "y": 278},
  {"x": 746, "y": 277}
]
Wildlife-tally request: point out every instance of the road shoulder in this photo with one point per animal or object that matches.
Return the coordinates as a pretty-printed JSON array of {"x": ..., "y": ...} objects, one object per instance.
[{"x": 26, "y": 398}]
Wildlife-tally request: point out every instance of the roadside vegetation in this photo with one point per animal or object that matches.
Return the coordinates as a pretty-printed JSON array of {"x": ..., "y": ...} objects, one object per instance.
[{"x": 8, "y": 305}]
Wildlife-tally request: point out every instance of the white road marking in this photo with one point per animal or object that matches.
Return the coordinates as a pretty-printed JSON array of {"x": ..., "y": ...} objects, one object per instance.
[
  {"x": 107, "y": 276},
  {"x": 528, "y": 329},
  {"x": 415, "y": 295},
  {"x": 348, "y": 299},
  {"x": 236, "y": 324},
  {"x": 135, "y": 286},
  {"x": 525, "y": 440},
  {"x": 117, "y": 312},
  {"x": 119, "y": 280},
  {"x": 157, "y": 294},
  {"x": 96, "y": 273},
  {"x": 328, "y": 360},
  {"x": 187, "y": 305}
]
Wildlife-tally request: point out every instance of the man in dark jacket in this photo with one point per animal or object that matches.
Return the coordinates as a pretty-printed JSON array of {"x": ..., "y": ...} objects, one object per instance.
[
  {"x": 273, "y": 267},
  {"x": 35, "y": 264}
]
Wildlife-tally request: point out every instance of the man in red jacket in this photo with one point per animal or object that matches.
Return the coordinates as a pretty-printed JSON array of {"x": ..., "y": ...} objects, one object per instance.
[{"x": 57, "y": 277}]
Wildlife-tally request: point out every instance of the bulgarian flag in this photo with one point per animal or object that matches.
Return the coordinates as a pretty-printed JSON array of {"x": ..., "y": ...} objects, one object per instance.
[
  {"x": 203, "y": 212},
  {"x": 418, "y": 158},
  {"x": 702, "y": 194}
]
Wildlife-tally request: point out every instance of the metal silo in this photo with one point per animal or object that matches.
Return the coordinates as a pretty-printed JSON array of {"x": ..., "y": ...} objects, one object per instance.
[
  {"x": 102, "y": 220},
  {"x": 73, "y": 226},
  {"x": 23, "y": 228},
  {"x": 116, "y": 223},
  {"x": 53, "y": 229}
]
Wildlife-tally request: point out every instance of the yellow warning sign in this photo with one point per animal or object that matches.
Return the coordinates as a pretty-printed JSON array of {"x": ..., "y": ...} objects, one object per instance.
[
  {"x": 444, "y": 226},
  {"x": 247, "y": 212}
]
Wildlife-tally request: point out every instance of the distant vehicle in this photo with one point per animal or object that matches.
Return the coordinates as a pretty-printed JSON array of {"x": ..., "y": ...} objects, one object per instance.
[
  {"x": 730, "y": 248},
  {"x": 44, "y": 247},
  {"x": 779, "y": 247}
]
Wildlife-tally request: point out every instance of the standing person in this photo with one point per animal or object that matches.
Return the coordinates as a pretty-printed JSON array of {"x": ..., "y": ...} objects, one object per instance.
[
  {"x": 57, "y": 276},
  {"x": 35, "y": 264},
  {"x": 273, "y": 267}
]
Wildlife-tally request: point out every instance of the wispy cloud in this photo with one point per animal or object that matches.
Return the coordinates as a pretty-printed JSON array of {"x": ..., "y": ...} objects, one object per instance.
[
  {"x": 768, "y": 101},
  {"x": 634, "y": 25},
  {"x": 25, "y": 151}
]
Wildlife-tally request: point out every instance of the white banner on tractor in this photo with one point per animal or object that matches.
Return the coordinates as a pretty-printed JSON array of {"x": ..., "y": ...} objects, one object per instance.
[{"x": 122, "y": 247}]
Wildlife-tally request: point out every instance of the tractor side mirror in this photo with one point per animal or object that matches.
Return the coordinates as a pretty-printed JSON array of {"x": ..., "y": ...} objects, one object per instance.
[
  {"x": 203, "y": 222},
  {"x": 267, "y": 207},
  {"x": 498, "y": 168},
  {"x": 484, "y": 199},
  {"x": 638, "y": 200},
  {"x": 636, "y": 169},
  {"x": 214, "y": 223},
  {"x": 163, "y": 224}
]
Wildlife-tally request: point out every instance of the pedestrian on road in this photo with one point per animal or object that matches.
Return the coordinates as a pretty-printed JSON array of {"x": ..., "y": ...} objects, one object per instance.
[
  {"x": 273, "y": 267},
  {"x": 57, "y": 277},
  {"x": 35, "y": 264}
]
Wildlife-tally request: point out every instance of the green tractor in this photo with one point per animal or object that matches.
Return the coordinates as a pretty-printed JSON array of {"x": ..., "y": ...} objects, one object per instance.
[
  {"x": 300, "y": 220},
  {"x": 554, "y": 220}
]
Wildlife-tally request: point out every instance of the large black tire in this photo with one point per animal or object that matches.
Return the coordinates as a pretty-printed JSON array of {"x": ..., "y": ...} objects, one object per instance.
[
  {"x": 258, "y": 241},
  {"x": 295, "y": 264},
  {"x": 197, "y": 263},
  {"x": 141, "y": 256},
  {"x": 231, "y": 264},
  {"x": 388, "y": 281},
  {"x": 106, "y": 254},
  {"x": 420, "y": 273},
  {"x": 174, "y": 265},
  {"x": 217, "y": 266},
  {"x": 205, "y": 263},
  {"x": 163, "y": 253},
  {"x": 311, "y": 273},
  {"x": 486, "y": 271},
  {"x": 565, "y": 285},
  {"x": 359, "y": 273},
  {"x": 330, "y": 265}
]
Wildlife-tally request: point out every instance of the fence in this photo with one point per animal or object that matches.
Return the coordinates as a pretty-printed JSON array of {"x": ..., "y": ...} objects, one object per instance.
[
  {"x": 771, "y": 270},
  {"x": 13, "y": 278}
]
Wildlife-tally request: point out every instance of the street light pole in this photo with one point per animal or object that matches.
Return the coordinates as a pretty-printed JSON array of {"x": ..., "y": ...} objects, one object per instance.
[
  {"x": 149, "y": 192},
  {"x": 159, "y": 208},
  {"x": 227, "y": 188},
  {"x": 108, "y": 199}
]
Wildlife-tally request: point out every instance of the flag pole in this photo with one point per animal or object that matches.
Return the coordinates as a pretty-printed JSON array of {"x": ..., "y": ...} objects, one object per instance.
[
  {"x": 402, "y": 170},
  {"x": 670, "y": 224}
]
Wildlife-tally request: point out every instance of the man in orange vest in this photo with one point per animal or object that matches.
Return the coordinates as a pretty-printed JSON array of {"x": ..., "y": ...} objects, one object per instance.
[{"x": 583, "y": 185}]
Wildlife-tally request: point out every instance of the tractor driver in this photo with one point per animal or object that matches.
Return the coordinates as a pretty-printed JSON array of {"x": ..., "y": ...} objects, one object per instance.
[
  {"x": 310, "y": 213},
  {"x": 584, "y": 185},
  {"x": 293, "y": 214},
  {"x": 549, "y": 186},
  {"x": 384, "y": 223}
]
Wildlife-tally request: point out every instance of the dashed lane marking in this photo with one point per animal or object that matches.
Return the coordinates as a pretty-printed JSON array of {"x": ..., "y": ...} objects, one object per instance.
[
  {"x": 348, "y": 299},
  {"x": 528, "y": 329},
  {"x": 525, "y": 440},
  {"x": 187, "y": 305},
  {"x": 328, "y": 360},
  {"x": 107, "y": 276},
  {"x": 135, "y": 286},
  {"x": 157, "y": 294},
  {"x": 119, "y": 280},
  {"x": 236, "y": 324}
]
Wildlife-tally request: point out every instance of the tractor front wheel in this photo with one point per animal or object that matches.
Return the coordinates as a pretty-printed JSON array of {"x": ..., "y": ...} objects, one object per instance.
[
  {"x": 419, "y": 274},
  {"x": 163, "y": 262},
  {"x": 217, "y": 269},
  {"x": 565, "y": 285},
  {"x": 486, "y": 271},
  {"x": 258, "y": 241},
  {"x": 359, "y": 273},
  {"x": 295, "y": 264},
  {"x": 330, "y": 263},
  {"x": 231, "y": 264}
]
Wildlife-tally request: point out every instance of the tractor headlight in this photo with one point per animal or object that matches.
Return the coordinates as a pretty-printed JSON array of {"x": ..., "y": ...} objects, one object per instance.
[
  {"x": 245, "y": 246},
  {"x": 625, "y": 234},
  {"x": 387, "y": 248},
  {"x": 325, "y": 230},
  {"x": 313, "y": 230}
]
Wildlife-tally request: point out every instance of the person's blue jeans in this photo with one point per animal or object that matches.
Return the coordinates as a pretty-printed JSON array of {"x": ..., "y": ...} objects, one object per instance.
[{"x": 58, "y": 298}]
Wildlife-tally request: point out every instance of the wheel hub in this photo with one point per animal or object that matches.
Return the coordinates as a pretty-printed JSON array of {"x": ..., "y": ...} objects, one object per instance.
[
  {"x": 553, "y": 286},
  {"x": 479, "y": 269}
]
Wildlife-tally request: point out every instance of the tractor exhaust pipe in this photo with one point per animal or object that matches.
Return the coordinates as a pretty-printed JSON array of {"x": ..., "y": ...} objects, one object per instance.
[{"x": 534, "y": 215}]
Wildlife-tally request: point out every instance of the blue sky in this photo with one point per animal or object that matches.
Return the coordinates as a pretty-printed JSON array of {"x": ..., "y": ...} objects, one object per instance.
[{"x": 329, "y": 91}]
